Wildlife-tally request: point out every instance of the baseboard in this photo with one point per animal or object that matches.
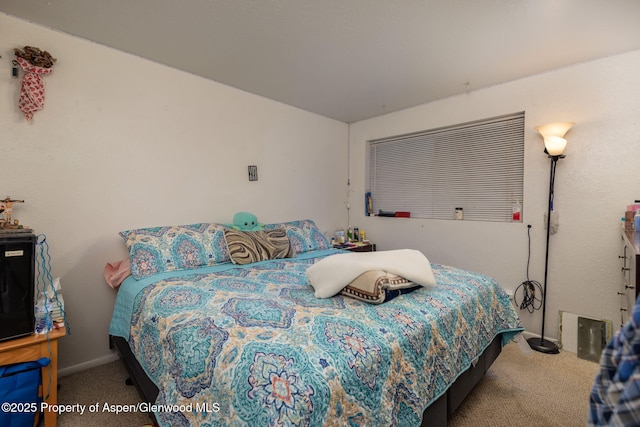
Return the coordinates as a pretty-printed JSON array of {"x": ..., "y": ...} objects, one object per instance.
[{"x": 87, "y": 365}]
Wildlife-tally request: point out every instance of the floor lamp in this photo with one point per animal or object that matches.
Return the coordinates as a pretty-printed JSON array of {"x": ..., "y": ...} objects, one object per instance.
[{"x": 554, "y": 143}]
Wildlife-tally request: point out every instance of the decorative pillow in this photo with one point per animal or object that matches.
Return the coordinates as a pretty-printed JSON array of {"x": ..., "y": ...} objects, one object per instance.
[
  {"x": 377, "y": 286},
  {"x": 304, "y": 235},
  {"x": 246, "y": 247},
  {"x": 180, "y": 247}
]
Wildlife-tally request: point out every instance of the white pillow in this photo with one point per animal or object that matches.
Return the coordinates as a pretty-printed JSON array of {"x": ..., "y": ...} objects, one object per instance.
[{"x": 331, "y": 274}]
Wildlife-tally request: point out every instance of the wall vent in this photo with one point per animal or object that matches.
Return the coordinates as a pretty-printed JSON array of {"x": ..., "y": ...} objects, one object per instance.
[
  {"x": 592, "y": 338},
  {"x": 585, "y": 336}
]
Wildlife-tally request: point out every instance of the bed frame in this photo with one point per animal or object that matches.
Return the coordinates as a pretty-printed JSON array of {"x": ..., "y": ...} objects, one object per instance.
[{"x": 436, "y": 415}]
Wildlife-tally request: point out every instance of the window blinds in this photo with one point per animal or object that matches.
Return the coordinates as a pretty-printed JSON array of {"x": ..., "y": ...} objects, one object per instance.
[{"x": 477, "y": 166}]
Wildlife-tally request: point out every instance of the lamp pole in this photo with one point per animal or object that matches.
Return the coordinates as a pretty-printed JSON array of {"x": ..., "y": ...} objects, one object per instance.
[{"x": 540, "y": 344}]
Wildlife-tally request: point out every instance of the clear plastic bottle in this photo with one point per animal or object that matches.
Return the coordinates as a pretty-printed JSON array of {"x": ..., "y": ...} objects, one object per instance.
[{"x": 515, "y": 211}]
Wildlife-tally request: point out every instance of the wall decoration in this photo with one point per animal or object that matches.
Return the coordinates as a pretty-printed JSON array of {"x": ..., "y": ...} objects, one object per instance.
[
  {"x": 6, "y": 209},
  {"x": 35, "y": 63}
]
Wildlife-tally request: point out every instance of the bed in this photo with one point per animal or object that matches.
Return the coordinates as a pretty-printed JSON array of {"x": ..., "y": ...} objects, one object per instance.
[{"x": 212, "y": 341}]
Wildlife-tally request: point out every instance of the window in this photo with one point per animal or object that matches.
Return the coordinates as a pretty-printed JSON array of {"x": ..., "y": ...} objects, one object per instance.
[{"x": 477, "y": 166}]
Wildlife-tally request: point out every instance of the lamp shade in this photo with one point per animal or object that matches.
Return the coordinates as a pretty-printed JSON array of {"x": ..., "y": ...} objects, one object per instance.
[
  {"x": 555, "y": 145},
  {"x": 553, "y": 134},
  {"x": 555, "y": 129}
]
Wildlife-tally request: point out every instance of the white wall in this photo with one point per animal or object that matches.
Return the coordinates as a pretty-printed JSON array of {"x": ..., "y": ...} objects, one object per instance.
[
  {"x": 123, "y": 142},
  {"x": 594, "y": 183}
]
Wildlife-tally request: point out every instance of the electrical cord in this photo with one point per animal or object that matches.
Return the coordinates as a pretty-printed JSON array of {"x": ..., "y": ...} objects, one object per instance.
[{"x": 531, "y": 290}]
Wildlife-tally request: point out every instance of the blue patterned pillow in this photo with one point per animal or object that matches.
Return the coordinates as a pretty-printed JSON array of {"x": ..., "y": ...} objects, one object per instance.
[
  {"x": 304, "y": 235},
  {"x": 180, "y": 247}
]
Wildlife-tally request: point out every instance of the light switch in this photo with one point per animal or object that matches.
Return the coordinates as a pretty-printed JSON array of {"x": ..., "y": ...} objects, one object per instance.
[{"x": 253, "y": 173}]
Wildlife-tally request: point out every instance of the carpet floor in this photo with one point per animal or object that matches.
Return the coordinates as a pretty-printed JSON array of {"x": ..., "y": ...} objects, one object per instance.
[{"x": 521, "y": 388}]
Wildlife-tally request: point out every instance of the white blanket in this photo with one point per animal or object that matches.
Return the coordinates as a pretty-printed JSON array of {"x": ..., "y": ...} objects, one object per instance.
[{"x": 330, "y": 275}]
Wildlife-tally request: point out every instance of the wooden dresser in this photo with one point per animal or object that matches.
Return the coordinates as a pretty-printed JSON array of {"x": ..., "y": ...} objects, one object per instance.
[{"x": 630, "y": 257}]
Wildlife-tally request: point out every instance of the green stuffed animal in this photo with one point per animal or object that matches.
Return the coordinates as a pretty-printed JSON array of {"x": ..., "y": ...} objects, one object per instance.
[{"x": 245, "y": 221}]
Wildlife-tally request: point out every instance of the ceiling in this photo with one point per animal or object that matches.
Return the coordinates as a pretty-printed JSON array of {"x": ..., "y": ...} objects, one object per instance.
[{"x": 350, "y": 59}]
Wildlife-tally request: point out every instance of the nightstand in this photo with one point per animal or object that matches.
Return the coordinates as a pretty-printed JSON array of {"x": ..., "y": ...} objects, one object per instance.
[
  {"x": 31, "y": 348},
  {"x": 361, "y": 247}
]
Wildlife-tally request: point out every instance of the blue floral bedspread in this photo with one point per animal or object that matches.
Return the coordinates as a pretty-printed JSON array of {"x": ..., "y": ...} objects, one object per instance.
[{"x": 253, "y": 346}]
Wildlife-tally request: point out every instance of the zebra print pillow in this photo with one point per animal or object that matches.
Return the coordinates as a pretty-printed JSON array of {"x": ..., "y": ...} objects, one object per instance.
[{"x": 246, "y": 247}]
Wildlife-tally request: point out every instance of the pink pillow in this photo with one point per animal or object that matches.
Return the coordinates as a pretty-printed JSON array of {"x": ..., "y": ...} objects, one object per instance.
[{"x": 116, "y": 272}]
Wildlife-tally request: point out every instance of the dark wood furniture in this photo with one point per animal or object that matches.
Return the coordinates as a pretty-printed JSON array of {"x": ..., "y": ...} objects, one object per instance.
[
  {"x": 630, "y": 256},
  {"x": 361, "y": 247}
]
